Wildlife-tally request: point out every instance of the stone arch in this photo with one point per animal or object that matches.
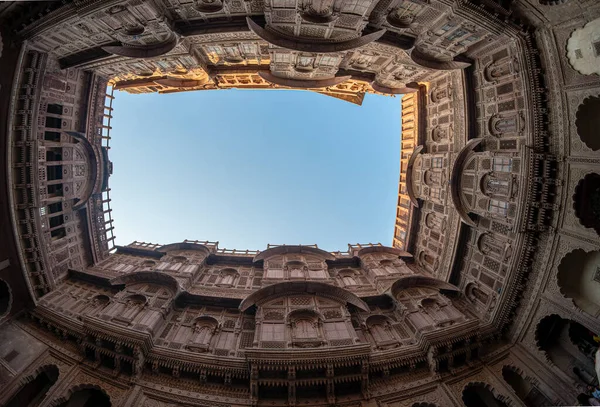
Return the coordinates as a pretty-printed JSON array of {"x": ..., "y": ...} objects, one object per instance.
[
  {"x": 6, "y": 298},
  {"x": 524, "y": 388},
  {"x": 480, "y": 394},
  {"x": 567, "y": 345},
  {"x": 84, "y": 392},
  {"x": 587, "y": 122},
  {"x": 34, "y": 387},
  {"x": 579, "y": 279},
  {"x": 586, "y": 201}
]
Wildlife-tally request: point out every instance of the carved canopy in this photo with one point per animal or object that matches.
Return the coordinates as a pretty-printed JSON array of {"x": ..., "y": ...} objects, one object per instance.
[
  {"x": 303, "y": 287},
  {"x": 420, "y": 281},
  {"x": 279, "y": 250},
  {"x": 455, "y": 180}
]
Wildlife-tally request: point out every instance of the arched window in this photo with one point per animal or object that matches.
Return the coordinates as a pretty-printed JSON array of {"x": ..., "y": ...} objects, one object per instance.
[
  {"x": 227, "y": 277},
  {"x": 305, "y": 328},
  {"x": 379, "y": 328},
  {"x": 587, "y": 122},
  {"x": 347, "y": 277},
  {"x": 495, "y": 185},
  {"x": 133, "y": 305},
  {"x": 474, "y": 293},
  {"x": 579, "y": 279},
  {"x": 480, "y": 395},
  {"x": 586, "y": 201},
  {"x": 569, "y": 346},
  {"x": 5, "y": 298},
  {"x": 501, "y": 125},
  {"x": 499, "y": 69},
  {"x": 204, "y": 329},
  {"x": 35, "y": 389},
  {"x": 296, "y": 269},
  {"x": 91, "y": 397},
  {"x": 524, "y": 389},
  {"x": 490, "y": 246},
  {"x": 433, "y": 178}
]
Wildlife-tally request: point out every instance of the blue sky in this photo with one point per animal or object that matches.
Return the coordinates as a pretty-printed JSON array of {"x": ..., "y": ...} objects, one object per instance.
[{"x": 251, "y": 167}]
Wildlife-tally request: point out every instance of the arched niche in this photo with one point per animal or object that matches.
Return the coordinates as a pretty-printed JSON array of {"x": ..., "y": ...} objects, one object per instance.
[
  {"x": 523, "y": 387},
  {"x": 199, "y": 335},
  {"x": 306, "y": 328},
  {"x": 506, "y": 124},
  {"x": 587, "y": 121},
  {"x": 500, "y": 69},
  {"x": 481, "y": 395},
  {"x": 348, "y": 277},
  {"x": 84, "y": 395},
  {"x": 5, "y": 298},
  {"x": 475, "y": 294},
  {"x": 568, "y": 345},
  {"x": 34, "y": 387},
  {"x": 586, "y": 201},
  {"x": 456, "y": 181},
  {"x": 497, "y": 185},
  {"x": 228, "y": 277},
  {"x": 296, "y": 268},
  {"x": 303, "y": 287},
  {"x": 379, "y": 327},
  {"x": 579, "y": 279}
]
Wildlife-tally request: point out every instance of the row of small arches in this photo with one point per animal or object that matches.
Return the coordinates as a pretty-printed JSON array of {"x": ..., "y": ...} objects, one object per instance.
[{"x": 36, "y": 386}]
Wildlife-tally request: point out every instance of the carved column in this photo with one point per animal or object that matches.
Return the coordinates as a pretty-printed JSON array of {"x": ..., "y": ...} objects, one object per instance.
[
  {"x": 291, "y": 385},
  {"x": 330, "y": 385}
]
